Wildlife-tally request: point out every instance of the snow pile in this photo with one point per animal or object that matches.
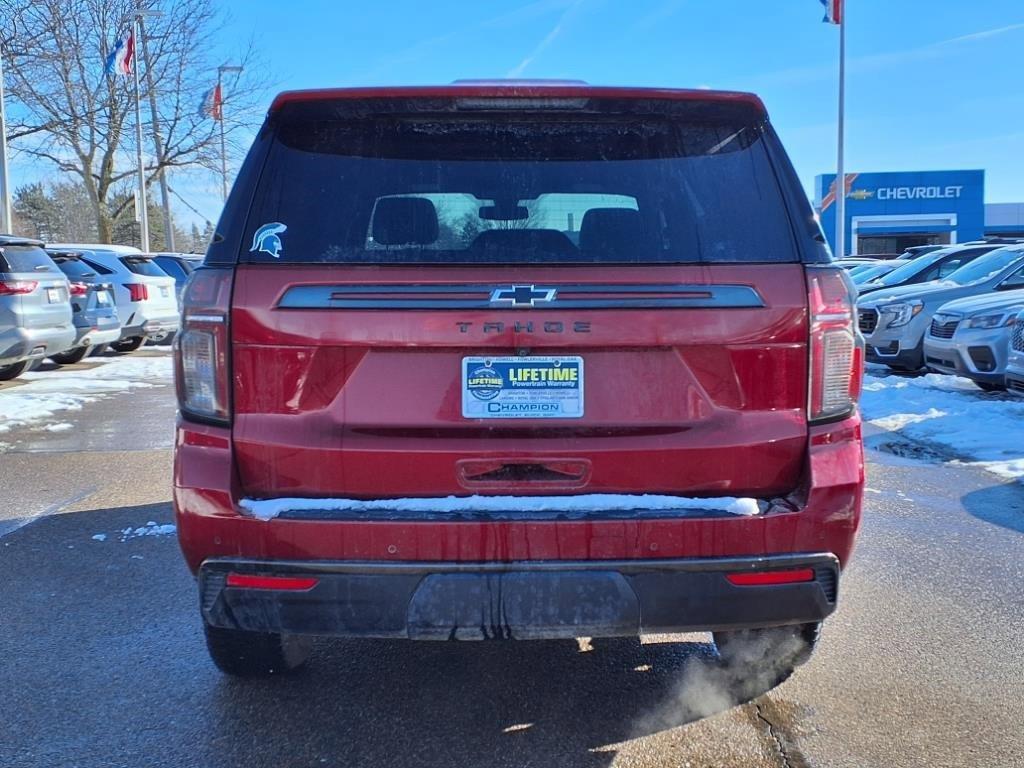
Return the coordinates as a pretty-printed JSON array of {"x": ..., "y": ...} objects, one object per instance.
[
  {"x": 149, "y": 529},
  {"x": 949, "y": 410},
  {"x": 50, "y": 392},
  {"x": 268, "y": 509}
]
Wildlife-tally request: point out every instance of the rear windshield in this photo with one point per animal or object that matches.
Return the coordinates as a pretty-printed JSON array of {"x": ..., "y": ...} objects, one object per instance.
[
  {"x": 25, "y": 258},
  {"x": 523, "y": 190},
  {"x": 72, "y": 266},
  {"x": 176, "y": 269},
  {"x": 143, "y": 266}
]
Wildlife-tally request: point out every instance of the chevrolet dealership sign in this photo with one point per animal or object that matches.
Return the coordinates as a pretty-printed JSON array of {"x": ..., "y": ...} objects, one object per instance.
[
  {"x": 950, "y": 204},
  {"x": 917, "y": 193}
]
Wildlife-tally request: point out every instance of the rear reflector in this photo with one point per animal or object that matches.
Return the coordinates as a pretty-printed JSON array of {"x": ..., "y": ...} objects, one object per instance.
[
  {"x": 79, "y": 289},
  {"x": 767, "y": 578},
  {"x": 287, "y": 583}
]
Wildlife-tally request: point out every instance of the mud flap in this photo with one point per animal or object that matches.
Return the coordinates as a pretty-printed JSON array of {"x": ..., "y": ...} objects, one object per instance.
[{"x": 523, "y": 606}]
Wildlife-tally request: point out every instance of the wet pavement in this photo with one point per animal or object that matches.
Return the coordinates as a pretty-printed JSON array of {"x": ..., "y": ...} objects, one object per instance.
[{"x": 102, "y": 660}]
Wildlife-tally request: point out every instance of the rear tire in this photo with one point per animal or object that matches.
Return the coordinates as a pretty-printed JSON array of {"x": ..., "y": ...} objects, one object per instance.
[
  {"x": 128, "y": 345},
  {"x": 72, "y": 356},
  {"x": 256, "y": 654},
  {"x": 768, "y": 655},
  {"x": 13, "y": 371},
  {"x": 985, "y": 386}
]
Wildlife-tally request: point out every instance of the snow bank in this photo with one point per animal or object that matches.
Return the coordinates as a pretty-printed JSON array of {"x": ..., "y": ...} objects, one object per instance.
[
  {"x": 268, "y": 509},
  {"x": 51, "y": 392},
  {"x": 986, "y": 429}
]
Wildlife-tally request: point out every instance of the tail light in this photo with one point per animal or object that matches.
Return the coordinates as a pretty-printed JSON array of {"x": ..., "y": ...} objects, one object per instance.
[
  {"x": 201, "y": 347},
  {"x": 836, "y": 347},
  {"x": 13, "y": 287},
  {"x": 79, "y": 289},
  {"x": 138, "y": 291}
]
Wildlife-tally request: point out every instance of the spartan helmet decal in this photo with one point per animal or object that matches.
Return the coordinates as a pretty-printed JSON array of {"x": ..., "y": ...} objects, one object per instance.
[{"x": 266, "y": 239}]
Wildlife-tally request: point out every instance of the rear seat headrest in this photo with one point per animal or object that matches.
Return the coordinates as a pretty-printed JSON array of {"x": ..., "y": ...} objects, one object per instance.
[
  {"x": 610, "y": 230},
  {"x": 404, "y": 221}
]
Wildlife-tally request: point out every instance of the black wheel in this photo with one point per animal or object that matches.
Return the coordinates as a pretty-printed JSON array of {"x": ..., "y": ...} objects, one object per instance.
[
  {"x": 13, "y": 371},
  {"x": 768, "y": 655},
  {"x": 985, "y": 386},
  {"x": 98, "y": 350},
  {"x": 256, "y": 654},
  {"x": 72, "y": 356},
  {"x": 128, "y": 345}
]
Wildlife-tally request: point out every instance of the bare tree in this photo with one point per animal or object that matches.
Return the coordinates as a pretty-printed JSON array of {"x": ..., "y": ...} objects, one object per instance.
[{"x": 65, "y": 110}]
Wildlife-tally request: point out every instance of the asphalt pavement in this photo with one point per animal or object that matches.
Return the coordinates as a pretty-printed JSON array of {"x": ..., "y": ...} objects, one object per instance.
[{"x": 102, "y": 660}]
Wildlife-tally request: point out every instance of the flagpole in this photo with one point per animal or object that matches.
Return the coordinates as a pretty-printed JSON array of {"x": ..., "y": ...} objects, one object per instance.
[
  {"x": 220, "y": 108},
  {"x": 6, "y": 224},
  {"x": 165, "y": 196},
  {"x": 143, "y": 206},
  {"x": 840, "y": 172}
]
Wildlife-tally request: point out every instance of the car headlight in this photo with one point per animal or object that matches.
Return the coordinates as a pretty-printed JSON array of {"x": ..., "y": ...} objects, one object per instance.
[
  {"x": 901, "y": 314},
  {"x": 992, "y": 321}
]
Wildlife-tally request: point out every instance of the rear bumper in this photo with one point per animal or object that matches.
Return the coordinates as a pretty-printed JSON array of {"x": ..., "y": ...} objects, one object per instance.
[
  {"x": 17, "y": 344},
  {"x": 516, "y": 600},
  {"x": 150, "y": 326}
]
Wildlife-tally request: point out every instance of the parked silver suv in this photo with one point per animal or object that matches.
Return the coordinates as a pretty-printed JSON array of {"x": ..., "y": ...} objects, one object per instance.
[
  {"x": 92, "y": 301},
  {"x": 894, "y": 321},
  {"x": 35, "y": 313},
  {"x": 1015, "y": 362},
  {"x": 971, "y": 337}
]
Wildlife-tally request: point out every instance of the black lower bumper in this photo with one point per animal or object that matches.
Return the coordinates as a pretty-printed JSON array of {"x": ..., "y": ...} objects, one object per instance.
[{"x": 523, "y": 600}]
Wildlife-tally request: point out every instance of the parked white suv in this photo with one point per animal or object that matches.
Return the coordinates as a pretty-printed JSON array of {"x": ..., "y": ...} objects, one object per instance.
[{"x": 145, "y": 295}]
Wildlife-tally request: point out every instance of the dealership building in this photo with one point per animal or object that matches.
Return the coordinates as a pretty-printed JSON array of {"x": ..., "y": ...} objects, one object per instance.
[{"x": 888, "y": 212}]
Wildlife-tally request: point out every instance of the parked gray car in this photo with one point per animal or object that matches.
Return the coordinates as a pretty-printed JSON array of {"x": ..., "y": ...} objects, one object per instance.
[
  {"x": 35, "y": 313},
  {"x": 1015, "y": 362},
  {"x": 971, "y": 337},
  {"x": 894, "y": 321},
  {"x": 92, "y": 302}
]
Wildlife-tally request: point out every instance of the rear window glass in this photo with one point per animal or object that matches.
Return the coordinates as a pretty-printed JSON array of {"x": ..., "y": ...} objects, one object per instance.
[
  {"x": 99, "y": 268},
  {"x": 74, "y": 267},
  {"x": 142, "y": 266},
  {"x": 25, "y": 258},
  {"x": 518, "y": 191},
  {"x": 173, "y": 267}
]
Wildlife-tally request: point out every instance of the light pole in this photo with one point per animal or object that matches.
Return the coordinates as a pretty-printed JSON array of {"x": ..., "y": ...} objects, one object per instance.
[
  {"x": 6, "y": 225},
  {"x": 223, "y": 148},
  {"x": 165, "y": 197}
]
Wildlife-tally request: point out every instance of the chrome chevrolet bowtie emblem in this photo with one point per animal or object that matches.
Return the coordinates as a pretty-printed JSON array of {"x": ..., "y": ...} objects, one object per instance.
[{"x": 523, "y": 295}]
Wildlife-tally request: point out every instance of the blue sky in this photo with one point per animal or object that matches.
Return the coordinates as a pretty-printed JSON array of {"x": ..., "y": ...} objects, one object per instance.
[{"x": 931, "y": 85}]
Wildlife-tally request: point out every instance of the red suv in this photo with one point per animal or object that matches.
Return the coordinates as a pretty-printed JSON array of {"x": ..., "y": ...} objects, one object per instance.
[{"x": 499, "y": 360}]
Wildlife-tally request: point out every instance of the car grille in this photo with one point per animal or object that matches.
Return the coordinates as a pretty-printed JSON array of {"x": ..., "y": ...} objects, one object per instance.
[
  {"x": 867, "y": 319},
  {"x": 1018, "y": 336},
  {"x": 943, "y": 327}
]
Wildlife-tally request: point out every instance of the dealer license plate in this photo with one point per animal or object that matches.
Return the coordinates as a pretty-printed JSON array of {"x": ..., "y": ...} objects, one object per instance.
[{"x": 522, "y": 387}]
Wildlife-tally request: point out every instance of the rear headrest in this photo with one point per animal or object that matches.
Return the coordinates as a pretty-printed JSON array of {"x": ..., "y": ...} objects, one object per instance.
[
  {"x": 404, "y": 221},
  {"x": 610, "y": 230},
  {"x": 544, "y": 240}
]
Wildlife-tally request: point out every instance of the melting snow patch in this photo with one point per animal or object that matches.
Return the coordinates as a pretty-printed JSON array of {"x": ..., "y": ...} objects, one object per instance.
[
  {"x": 950, "y": 411},
  {"x": 99, "y": 537},
  {"x": 61, "y": 427},
  {"x": 268, "y": 509},
  {"x": 149, "y": 529},
  {"x": 47, "y": 393}
]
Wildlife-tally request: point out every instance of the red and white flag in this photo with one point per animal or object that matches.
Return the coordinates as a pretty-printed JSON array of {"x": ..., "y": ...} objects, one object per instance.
[
  {"x": 212, "y": 104},
  {"x": 833, "y": 11}
]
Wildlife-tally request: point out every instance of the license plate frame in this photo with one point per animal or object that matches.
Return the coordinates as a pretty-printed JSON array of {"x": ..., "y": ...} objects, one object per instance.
[
  {"x": 510, "y": 387},
  {"x": 53, "y": 295}
]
